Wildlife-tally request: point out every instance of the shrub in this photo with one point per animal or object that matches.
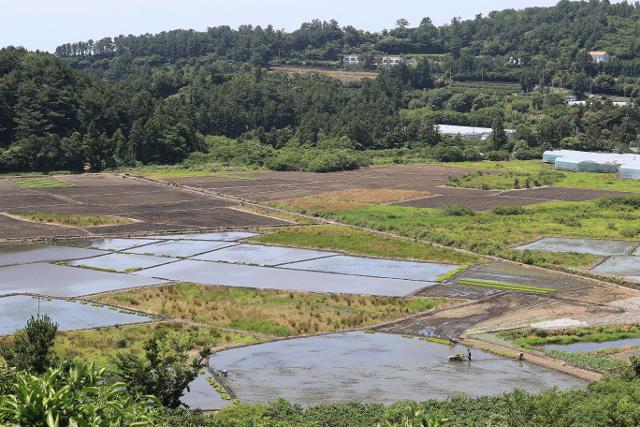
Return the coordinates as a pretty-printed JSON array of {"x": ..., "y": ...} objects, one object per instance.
[
  {"x": 608, "y": 202},
  {"x": 508, "y": 210},
  {"x": 456, "y": 210}
]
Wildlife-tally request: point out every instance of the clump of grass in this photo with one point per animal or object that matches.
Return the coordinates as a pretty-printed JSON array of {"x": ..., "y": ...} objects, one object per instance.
[
  {"x": 46, "y": 182},
  {"x": 506, "y": 286},
  {"x": 268, "y": 312},
  {"x": 435, "y": 340},
  {"x": 73, "y": 220},
  {"x": 506, "y": 180},
  {"x": 456, "y": 210}
]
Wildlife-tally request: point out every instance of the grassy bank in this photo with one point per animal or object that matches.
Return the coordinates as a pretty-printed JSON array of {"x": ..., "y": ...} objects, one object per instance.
[
  {"x": 495, "y": 232},
  {"x": 529, "y": 338},
  {"x": 533, "y": 168},
  {"x": 356, "y": 242},
  {"x": 73, "y": 220},
  {"x": 273, "y": 313},
  {"x": 41, "y": 182}
]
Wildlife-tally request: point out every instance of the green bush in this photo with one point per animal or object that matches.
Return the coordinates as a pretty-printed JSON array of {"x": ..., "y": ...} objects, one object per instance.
[
  {"x": 508, "y": 210},
  {"x": 456, "y": 210}
]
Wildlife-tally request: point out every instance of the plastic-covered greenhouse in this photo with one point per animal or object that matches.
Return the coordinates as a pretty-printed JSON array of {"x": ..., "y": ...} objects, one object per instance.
[
  {"x": 627, "y": 165},
  {"x": 630, "y": 170}
]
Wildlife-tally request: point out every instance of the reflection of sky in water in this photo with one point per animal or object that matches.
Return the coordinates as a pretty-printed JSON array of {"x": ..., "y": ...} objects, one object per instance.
[
  {"x": 374, "y": 367},
  {"x": 16, "y": 310}
]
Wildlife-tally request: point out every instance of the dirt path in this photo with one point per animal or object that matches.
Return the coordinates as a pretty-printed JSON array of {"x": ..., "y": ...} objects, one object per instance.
[{"x": 536, "y": 358}]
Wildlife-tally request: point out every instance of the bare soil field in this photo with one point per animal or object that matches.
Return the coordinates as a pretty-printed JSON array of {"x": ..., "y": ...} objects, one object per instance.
[
  {"x": 491, "y": 309},
  {"x": 155, "y": 207},
  {"x": 342, "y": 75},
  {"x": 430, "y": 179}
]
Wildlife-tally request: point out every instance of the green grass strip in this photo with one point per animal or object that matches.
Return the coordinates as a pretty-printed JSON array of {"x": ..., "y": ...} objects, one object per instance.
[
  {"x": 41, "y": 183},
  {"x": 507, "y": 286},
  {"x": 435, "y": 340},
  {"x": 450, "y": 275}
]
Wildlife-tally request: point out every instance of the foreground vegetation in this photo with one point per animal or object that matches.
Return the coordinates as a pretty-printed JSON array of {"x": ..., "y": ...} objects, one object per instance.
[
  {"x": 101, "y": 346},
  {"x": 271, "y": 313},
  {"x": 358, "y": 242}
]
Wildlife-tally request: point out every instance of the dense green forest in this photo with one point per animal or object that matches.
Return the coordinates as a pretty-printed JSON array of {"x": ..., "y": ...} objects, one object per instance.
[{"x": 159, "y": 99}]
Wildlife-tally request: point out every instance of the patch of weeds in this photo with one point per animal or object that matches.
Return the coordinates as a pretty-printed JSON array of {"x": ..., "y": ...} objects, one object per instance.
[
  {"x": 506, "y": 286},
  {"x": 451, "y": 274}
]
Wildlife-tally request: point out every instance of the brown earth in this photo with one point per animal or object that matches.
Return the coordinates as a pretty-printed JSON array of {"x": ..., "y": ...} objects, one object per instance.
[
  {"x": 346, "y": 76},
  {"x": 431, "y": 179},
  {"x": 158, "y": 207}
]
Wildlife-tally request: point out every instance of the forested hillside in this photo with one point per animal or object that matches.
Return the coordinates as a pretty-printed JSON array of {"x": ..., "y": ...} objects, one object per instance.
[{"x": 159, "y": 98}]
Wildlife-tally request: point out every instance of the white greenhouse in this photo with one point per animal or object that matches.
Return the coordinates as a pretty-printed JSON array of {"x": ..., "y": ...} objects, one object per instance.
[{"x": 627, "y": 165}]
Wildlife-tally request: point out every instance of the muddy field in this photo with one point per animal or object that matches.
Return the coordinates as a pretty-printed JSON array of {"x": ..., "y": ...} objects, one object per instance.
[
  {"x": 489, "y": 309},
  {"x": 430, "y": 179},
  {"x": 155, "y": 207}
]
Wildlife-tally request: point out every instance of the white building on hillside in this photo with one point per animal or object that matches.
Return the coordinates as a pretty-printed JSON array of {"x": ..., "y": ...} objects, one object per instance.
[
  {"x": 470, "y": 132},
  {"x": 599, "y": 56},
  {"x": 351, "y": 59}
]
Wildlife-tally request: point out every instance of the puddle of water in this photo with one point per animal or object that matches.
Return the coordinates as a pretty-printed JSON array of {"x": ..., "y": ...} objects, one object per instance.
[
  {"x": 122, "y": 262},
  {"x": 16, "y": 310},
  {"x": 215, "y": 273},
  {"x": 581, "y": 246},
  {"x": 423, "y": 271},
  {"x": 116, "y": 244},
  {"x": 179, "y": 248},
  {"x": 228, "y": 236},
  {"x": 620, "y": 266},
  {"x": 374, "y": 368},
  {"x": 203, "y": 396},
  {"x": 28, "y": 254},
  {"x": 593, "y": 346},
  {"x": 262, "y": 255},
  {"x": 62, "y": 281}
]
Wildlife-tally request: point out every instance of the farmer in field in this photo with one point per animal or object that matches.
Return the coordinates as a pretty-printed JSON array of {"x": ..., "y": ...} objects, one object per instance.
[{"x": 469, "y": 354}]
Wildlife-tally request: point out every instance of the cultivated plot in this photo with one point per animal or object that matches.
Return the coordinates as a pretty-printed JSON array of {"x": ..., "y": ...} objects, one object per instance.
[
  {"x": 15, "y": 311},
  {"x": 582, "y": 246},
  {"x": 28, "y": 254},
  {"x": 215, "y": 273},
  {"x": 122, "y": 262},
  {"x": 262, "y": 255},
  {"x": 116, "y": 244},
  {"x": 63, "y": 281},
  {"x": 374, "y": 368},
  {"x": 620, "y": 266},
  {"x": 421, "y": 271},
  {"x": 179, "y": 248},
  {"x": 225, "y": 236}
]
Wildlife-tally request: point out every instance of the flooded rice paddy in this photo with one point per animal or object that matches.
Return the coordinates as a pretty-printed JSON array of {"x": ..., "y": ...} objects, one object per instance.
[
  {"x": 203, "y": 396},
  {"x": 63, "y": 281},
  {"x": 179, "y": 248},
  {"x": 27, "y": 254},
  {"x": 620, "y": 266},
  {"x": 248, "y": 276},
  {"x": 382, "y": 368},
  {"x": 16, "y": 310},
  {"x": 407, "y": 270},
  {"x": 122, "y": 262},
  {"x": 262, "y": 255},
  {"x": 581, "y": 246}
]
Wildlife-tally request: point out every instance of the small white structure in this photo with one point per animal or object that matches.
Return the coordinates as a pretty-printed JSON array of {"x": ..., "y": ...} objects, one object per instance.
[
  {"x": 626, "y": 165},
  {"x": 470, "y": 132},
  {"x": 599, "y": 56},
  {"x": 351, "y": 59},
  {"x": 392, "y": 61}
]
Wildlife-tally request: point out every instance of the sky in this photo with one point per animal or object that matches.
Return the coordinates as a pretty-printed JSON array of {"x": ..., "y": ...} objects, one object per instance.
[{"x": 45, "y": 24}]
